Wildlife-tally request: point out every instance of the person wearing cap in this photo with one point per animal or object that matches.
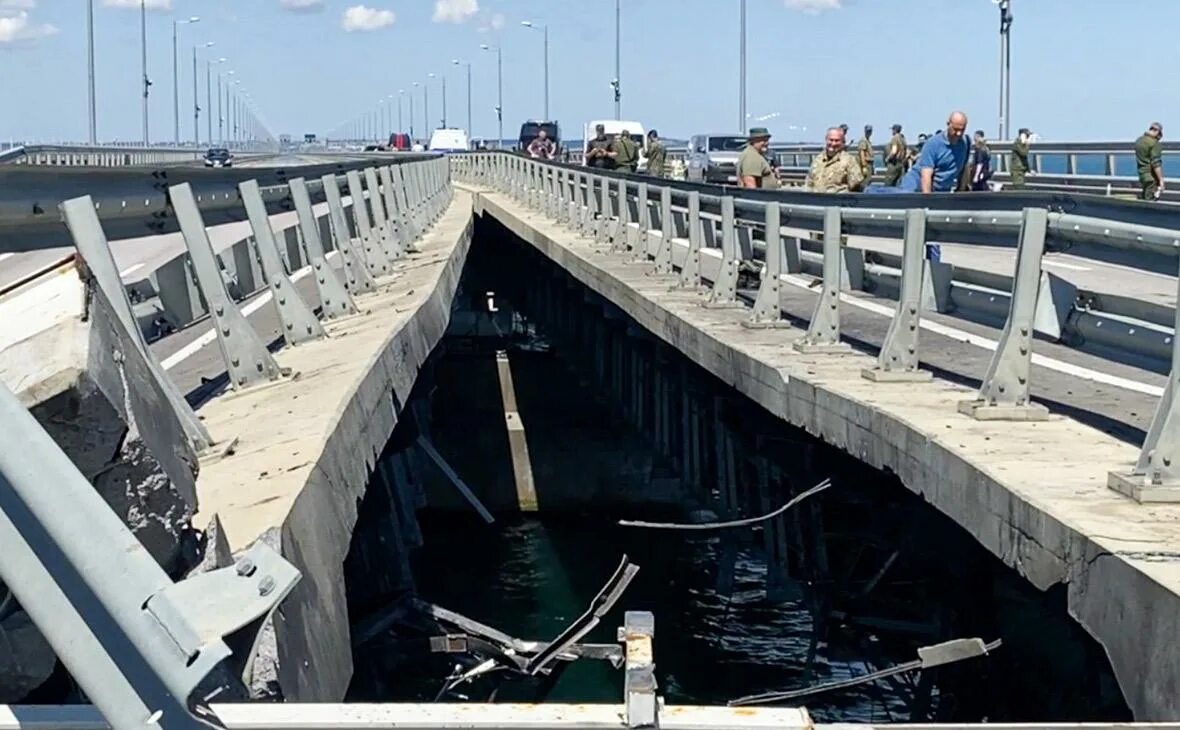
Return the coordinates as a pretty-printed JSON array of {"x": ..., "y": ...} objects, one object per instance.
[
  {"x": 657, "y": 154},
  {"x": 626, "y": 152},
  {"x": 864, "y": 153},
  {"x": 1150, "y": 163},
  {"x": 1018, "y": 167},
  {"x": 598, "y": 150},
  {"x": 895, "y": 157},
  {"x": 753, "y": 170}
]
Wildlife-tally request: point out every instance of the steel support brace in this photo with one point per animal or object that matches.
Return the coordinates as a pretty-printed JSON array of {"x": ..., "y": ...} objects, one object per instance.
[
  {"x": 561, "y": 215},
  {"x": 586, "y": 196},
  {"x": 356, "y": 271},
  {"x": 767, "y": 311},
  {"x": 413, "y": 229},
  {"x": 335, "y": 300},
  {"x": 640, "y": 701},
  {"x": 147, "y": 652},
  {"x": 898, "y": 360},
  {"x": 1004, "y": 395},
  {"x": 1156, "y": 475},
  {"x": 298, "y": 320},
  {"x": 378, "y": 263},
  {"x": 95, "y": 251},
  {"x": 690, "y": 272},
  {"x": 724, "y": 292},
  {"x": 593, "y": 224},
  {"x": 602, "y": 229},
  {"x": 622, "y": 227},
  {"x": 380, "y": 220},
  {"x": 642, "y": 207},
  {"x": 823, "y": 333},
  {"x": 246, "y": 358},
  {"x": 397, "y": 231},
  {"x": 664, "y": 253}
]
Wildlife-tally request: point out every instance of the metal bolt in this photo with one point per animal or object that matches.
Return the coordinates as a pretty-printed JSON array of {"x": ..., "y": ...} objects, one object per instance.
[
  {"x": 245, "y": 567},
  {"x": 220, "y": 310},
  {"x": 266, "y": 586}
]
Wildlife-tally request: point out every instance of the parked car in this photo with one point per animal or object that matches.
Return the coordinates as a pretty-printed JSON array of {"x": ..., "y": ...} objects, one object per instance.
[
  {"x": 219, "y": 157},
  {"x": 713, "y": 158}
]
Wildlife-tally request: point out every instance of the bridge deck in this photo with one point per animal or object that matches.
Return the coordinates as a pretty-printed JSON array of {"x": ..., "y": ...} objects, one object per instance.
[{"x": 1034, "y": 494}]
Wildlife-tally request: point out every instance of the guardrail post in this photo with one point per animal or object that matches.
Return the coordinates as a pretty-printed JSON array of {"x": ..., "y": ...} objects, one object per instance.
[
  {"x": 898, "y": 360},
  {"x": 586, "y": 208},
  {"x": 1004, "y": 395},
  {"x": 602, "y": 229},
  {"x": 356, "y": 273},
  {"x": 380, "y": 221},
  {"x": 413, "y": 226},
  {"x": 246, "y": 358},
  {"x": 298, "y": 320},
  {"x": 334, "y": 298},
  {"x": 622, "y": 226},
  {"x": 641, "y": 705},
  {"x": 642, "y": 207},
  {"x": 562, "y": 213},
  {"x": 664, "y": 252},
  {"x": 593, "y": 224},
  {"x": 378, "y": 263},
  {"x": 823, "y": 333},
  {"x": 1156, "y": 474},
  {"x": 393, "y": 212},
  {"x": 95, "y": 251},
  {"x": 690, "y": 272},
  {"x": 724, "y": 292},
  {"x": 767, "y": 312}
]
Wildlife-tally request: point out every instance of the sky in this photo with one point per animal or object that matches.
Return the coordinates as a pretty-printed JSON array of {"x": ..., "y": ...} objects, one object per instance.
[{"x": 1081, "y": 69}]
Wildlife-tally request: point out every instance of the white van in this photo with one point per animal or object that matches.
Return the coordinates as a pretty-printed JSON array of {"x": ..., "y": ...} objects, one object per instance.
[
  {"x": 616, "y": 126},
  {"x": 448, "y": 140}
]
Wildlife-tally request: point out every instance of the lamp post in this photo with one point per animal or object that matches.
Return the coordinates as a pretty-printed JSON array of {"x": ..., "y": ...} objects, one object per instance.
[
  {"x": 92, "y": 102},
  {"x": 468, "y": 64},
  {"x": 416, "y": 85},
  {"x": 222, "y": 116},
  {"x": 401, "y": 94},
  {"x": 545, "y": 29},
  {"x": 196, "y": 100},
  {"x": 742, "y": 69},
  {"x": 209, "y": 62},
  {"x": 147, "y": 83},
  {"x": 426, "y": 105},
  {"x": 1005, "y": 7},
  {"x": 176, "y": 77},
  {"x": 618, "y": 81},
  {"x": 499, "y": 91}
]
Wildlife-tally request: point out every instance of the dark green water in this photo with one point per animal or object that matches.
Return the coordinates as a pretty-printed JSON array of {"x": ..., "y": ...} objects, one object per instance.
[{"x": 530, "y": 577}]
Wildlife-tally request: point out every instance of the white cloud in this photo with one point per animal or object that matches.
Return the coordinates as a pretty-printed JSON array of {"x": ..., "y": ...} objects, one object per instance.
[
  {"x": 16, "y": 27},
  {"x": 361, "y": 18},
  {"x": 489, "y": 22},
  {"x": 302, "y": 6},
  {"x": 17, "y": 5},
  {"x": 455, "y": 11},
  {"x": 134, "y": 4},
  {"x": 813, "y": 6}
]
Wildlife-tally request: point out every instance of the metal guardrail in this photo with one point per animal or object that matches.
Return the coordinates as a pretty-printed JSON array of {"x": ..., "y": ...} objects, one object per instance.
[
  {"x": 146, "y": 651},
  {"x": 132, "y": 203},
  {"x": 663, "y": 222},
  {"x": 111, "y": 155}
]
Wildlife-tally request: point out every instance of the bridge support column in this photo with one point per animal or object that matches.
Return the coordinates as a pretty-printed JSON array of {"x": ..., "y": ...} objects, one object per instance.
[
  {"x": 334, "y": 298},
  {"x": 690, "y": 272},
  {"x": 246, "y": 358},
  {"x": 898, "y": 361},
  {"x": 298, "y": 320},
  {"x": 375, "y": 258},
  {"x": 767, "y": 311},
  {"x": 823, "y": 333},
  {"x": 357, "y": 278},
  {"x": 664, "y": 252},
  {"x": 1004, "y": 395},
  {"x": 724, "y": 291}
]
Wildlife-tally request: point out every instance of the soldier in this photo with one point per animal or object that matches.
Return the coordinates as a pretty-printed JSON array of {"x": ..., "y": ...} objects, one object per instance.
[
  {"x": 835, "y": 171},
  {"x": 657, "y": 155},
  {"x": 1150, "y": 163},
  {"x": 753, "y": 170},
  {"x": 864, "y": 152},
  {"x": 1019, "y": 165},
  {"x": 626, "y": 152},
  {"x": 895, "y": 157},
  {"x": 598, "y": 150}
]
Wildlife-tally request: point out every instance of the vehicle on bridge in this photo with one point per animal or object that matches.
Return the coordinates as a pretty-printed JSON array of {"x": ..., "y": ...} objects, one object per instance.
[
  {"x": 400, "y": 141},
  {"x": 713, "y": 158},
  {"x": 449, "y": 140},
  {"x": 613, "y": 128},
  {"x": 219, "y": 157},
  {"x": 531, "y": 129}
]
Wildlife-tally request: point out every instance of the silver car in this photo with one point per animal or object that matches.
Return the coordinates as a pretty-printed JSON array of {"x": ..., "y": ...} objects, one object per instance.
[{"x": 713, "y": 158}]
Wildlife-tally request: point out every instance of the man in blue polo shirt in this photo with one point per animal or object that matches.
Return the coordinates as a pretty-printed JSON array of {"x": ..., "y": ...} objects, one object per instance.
[{"x": 942, "y": 160}]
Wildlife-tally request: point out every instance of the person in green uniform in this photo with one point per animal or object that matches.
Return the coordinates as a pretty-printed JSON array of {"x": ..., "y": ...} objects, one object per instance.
[
  {"x": 896, "y": 153},
  {"x": 753, "y": 169},
  {"x": 598, "y": 150},
  {"x": 1019, "y": 165},
  {"x": 864, "y": 154},
  {"x": 657, "y": 155},
  {"x": 626, "y": 152},
  {"x": 1150, "y": 162}
]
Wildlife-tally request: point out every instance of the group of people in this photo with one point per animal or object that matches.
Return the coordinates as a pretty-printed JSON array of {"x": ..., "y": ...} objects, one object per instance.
[{"x": 618, "y": 152}]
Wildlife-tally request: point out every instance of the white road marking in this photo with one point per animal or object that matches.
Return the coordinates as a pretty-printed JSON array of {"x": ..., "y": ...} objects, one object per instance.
[
  {"x": 210, "y": 335},
  {"x": 1063, "y": 265},
  {"x": 987, "y": 344},
  {"x": 130, "y": 270}
]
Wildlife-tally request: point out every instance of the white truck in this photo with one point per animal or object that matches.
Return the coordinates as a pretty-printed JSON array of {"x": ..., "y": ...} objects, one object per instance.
[{"x": 449, "y": 140}]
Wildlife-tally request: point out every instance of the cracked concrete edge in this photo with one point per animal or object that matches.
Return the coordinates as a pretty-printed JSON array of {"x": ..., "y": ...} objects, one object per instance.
[
  {"x": 312, "y": 626},
  {"x": 1122, "y": 607}
]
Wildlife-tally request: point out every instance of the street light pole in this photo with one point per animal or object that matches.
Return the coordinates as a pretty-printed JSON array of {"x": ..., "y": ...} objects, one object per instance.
[
  {"x": 176, "y": 77},
  {"x": 618, "y": 61},
  {"x": 499, "y": 92},
  {"x": 90, "y": 66},
  {"x": 196, "y": 106},
  {"x": 401, "y": 93},
  {"x": 545, "y": 30},
  {"x": 742, "y": 70},
  {"x": 412, "y": 116},
  {"x": 444, "y": 94},
  {"x": 426, "y": 105},
  {"x": 469, "y": 130},
  {"x": 1005, "y": 66},
  {"x": 146, "y": 81}
]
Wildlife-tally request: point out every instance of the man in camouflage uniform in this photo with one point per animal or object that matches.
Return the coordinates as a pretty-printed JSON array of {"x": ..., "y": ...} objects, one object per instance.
[
  {"x": 835, "y": 171},
  {"x": 626, "y": 152},
  {"x": 896, "y": 153},
  {"x": 1018, "y": 167},
  {"x": 864, "y": 153},
  {"x": 657, "y": 155},
  {"x": 1150, "y": 163}
]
